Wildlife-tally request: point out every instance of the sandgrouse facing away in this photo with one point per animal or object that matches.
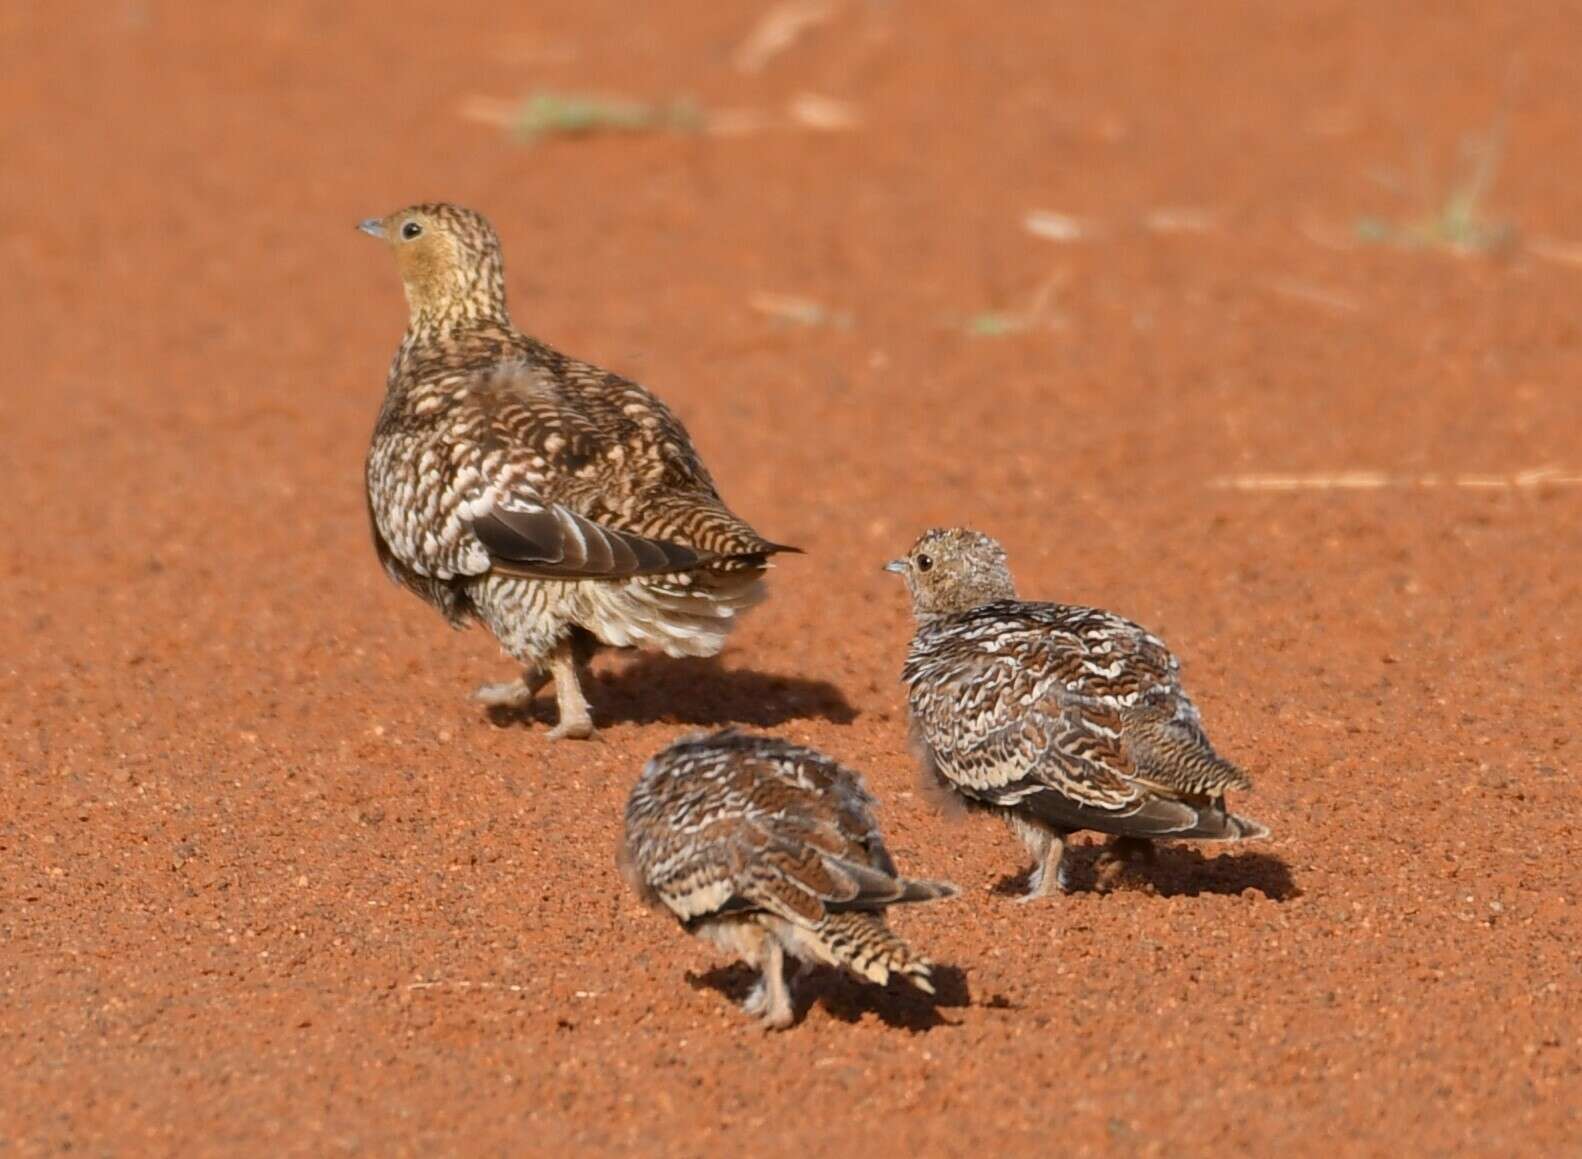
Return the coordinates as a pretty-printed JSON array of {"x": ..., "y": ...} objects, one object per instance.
[
  {"x": 560, "y": 504},
  {"x": 769, "y": 849},
  {"x": 1058, "y": 718}
]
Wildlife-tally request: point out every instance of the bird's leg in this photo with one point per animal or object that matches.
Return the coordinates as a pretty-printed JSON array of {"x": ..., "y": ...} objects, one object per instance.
[
  {"x": 1048, "y": 848},
  {"x": 576, "y": 723},
  {"x": 775, "y": 1006},
  {"x": 750, "y": 944},
  {"x": 758, "y": 998},
  {"x": 584, "y": 645},
  {"x": 1050, "y": 874},
  {"x": 516, "y": 693}
]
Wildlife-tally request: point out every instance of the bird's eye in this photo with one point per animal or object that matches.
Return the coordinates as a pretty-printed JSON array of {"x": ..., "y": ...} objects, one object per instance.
[
  {"x": 411, "y": 230},
  {"x": 924, "y": 562}
]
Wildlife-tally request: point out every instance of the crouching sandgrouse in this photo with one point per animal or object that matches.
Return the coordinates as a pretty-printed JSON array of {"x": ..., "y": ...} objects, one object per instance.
[
  {"x": 771, "y": 850},
  {"x": 560, "y": 504},
  {"x": 1058, "y": 718}
]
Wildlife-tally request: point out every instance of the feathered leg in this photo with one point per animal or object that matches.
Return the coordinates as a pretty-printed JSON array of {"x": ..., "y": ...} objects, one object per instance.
[
  {"x": 516, "y": 693},
  {"x": 771, "y": 998},
  {"x": 576, "y": 723},
  {"x": 1048, "y": 847}
]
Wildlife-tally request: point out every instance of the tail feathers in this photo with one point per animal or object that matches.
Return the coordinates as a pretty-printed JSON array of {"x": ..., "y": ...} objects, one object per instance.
[
  {"x": 867, "y": 947},
  {"x": 751, "y": 560},
  {"x": 1151, "y": 817},
  {"x": 765, "y": 547},
  {"x": 1223, "y": 774},
  {"x": 925, "y": 890},
  {"x": 1222, "y": 825},
  {"x": 1168, "y": 748},
  {"x": 699, "y": 519},
  {"x": 875, "y": 888},
  {"x": 1204, "y": 818},
  {"x": 548, "y": 541}
]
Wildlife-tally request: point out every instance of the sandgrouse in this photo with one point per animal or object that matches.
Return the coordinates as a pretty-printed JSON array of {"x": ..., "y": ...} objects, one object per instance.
[
  {"x": 769, "y": 849},
  {"x": 560, "y": 504},
  {"x": 1058, "y": 718}
]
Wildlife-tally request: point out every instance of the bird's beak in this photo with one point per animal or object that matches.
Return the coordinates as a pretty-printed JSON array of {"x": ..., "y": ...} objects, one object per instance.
[
  {"x": 373, "y": 227},
  {"x": 896, "y": 565}
]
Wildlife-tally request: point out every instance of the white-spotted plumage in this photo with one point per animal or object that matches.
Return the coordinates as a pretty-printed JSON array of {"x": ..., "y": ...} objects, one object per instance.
[
  {"x": 1057, "y": 717},
  {"x": 770, "y": 850}
]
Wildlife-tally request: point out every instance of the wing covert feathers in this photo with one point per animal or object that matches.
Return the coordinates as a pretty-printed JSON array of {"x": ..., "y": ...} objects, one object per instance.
[
  {"x": 495, "y": 452},
  {"x": 1071, "y": 716},
  {"x": 554, "y": 543}
]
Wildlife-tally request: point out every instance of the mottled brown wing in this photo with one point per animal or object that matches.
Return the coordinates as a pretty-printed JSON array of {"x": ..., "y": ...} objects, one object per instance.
[
  {"x": 1022, "y": 706},
  {"x": 998, "y": 727},
  {"x": 1173, "y": 754},
  {"x": 595, "y": 478},
  {"x": 823, "y": 843},
  {"x": 847, "y": 825},
  {"x": 524, "y": 538},
  {"x": 735, "y": 823},
  {"x": 538, "y": 449}
]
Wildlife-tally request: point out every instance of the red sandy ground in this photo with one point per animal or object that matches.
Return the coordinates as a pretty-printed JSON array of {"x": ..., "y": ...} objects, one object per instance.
[{"x": 269, "y": 883}]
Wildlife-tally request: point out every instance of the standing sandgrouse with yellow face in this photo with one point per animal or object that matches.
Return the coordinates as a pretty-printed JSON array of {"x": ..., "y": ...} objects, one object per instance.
[
  {"x": 1055, "y": 717},
  {"x": 561, "y": 505}
]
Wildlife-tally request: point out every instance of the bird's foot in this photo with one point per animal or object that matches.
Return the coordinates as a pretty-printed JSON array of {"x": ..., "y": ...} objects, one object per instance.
[
  {"x": 757, "y": 1000},
  {"x": 780, "y": 1018},
  {"x": 770, "y": 999},
  {"x": 1044, "y": 884},
  {"x": 1036, "y": 890},
  {"x": 516, "y": 693},
  {"x": 574, "y": 728},
  {"x": 1049, "y": 876},
  {"x": 1114, "y": 872},
  {"x": 576, "y": 722}
]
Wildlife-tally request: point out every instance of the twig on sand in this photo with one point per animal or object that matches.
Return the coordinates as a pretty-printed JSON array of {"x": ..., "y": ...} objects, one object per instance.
[
  {"x": 1554, "y": 249},
  {"x": 823, "y": 114},
  {"x": 555, "y": 114},
  {"x": 1313, "y": 295},
  {"x": 549, "y": 114},
  {"x": 1533, "y": 479},
  {"x": 1038, "y": 313},
  {"x": 797, "y": 310},
  {"x": 779, "y": 29},
  {"x": 1180, "y": 219},
  {"x": 1052, "y": 226}
]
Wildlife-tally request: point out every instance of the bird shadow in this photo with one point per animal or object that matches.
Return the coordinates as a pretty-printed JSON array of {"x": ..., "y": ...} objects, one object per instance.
[
  {"x": 661, "y": 690},
  {"x": 1175, "y": 871},
  {"x": 899, "y": 1005}
]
